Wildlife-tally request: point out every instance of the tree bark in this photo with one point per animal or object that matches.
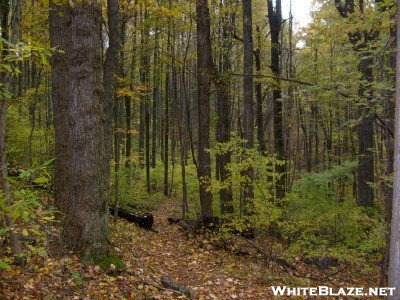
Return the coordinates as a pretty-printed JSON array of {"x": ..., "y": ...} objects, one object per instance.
[
  {"x": 275, "y": 23},
  {"x": 224, "y": 96},
  {"x": 248, "y": 102},
  {"x": 203, "y": 98},
  {"x": 259, "y": 97},
  {"x": 77, "y": 97},
  {"x": 394, "y": 260},
  {"x": 109, "y": 69},
  {"x": 365, "y": 128}
]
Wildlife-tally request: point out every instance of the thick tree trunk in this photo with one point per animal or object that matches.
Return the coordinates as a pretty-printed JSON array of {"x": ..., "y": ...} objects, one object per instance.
[
  {"x": 77, "y": 94},
  {"x": 224, "y": 113},
  {"x": 365, "y": 133},
  {"x": 365, "y": 129},
  {"x": 203, "y": 98},
  {"x": 62, "y": 169}
]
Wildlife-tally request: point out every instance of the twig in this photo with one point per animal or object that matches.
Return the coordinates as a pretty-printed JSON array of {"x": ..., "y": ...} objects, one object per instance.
[
  {"x": 160, "y": 288},
  {"x": 278, "y": 260}
]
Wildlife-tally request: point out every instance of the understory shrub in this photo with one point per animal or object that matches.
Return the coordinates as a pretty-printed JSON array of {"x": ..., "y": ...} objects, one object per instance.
[{"x": 321, "y": 219}]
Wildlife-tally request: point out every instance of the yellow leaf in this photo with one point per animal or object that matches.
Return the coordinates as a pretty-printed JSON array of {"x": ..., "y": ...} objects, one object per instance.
[{"x": 25, "y": 232}]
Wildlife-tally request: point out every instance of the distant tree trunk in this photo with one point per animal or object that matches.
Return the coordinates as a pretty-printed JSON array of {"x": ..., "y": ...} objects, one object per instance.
[
  {"x": 77, "y": 96},
  {"x": 117, "y": 152},
  {"x": 118, "y": 125},
  {"x": 203, "y": 98},
  {"x": 166, "y": 110},
  {"x": 156, "y": 78},
  {"x": 224, "y": 115},
  {"x": 166, "y": 132},
  {"x": 365, "y": 129},
  {"x": 275, "y": 23},
  {"x": 143, "y": 83},
  {"x": 221, "y": 82},
  {"x": 109, "y": 69},
  {"x": 146, "y": 98},
  {"x": 128, "y": 100},
  {"x": 259, "y": 96},
  {"x": 5, "y": 80},
  {"x": 394, "y": 260},
  {"x": 182, "y": 140},
  {"x": 248, "y": 101}
]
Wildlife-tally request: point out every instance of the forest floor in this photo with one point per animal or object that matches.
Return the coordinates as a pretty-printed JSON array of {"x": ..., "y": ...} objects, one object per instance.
[{"x": 237, "y": 272}]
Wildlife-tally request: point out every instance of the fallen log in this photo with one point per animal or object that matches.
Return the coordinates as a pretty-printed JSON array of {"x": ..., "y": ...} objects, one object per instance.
[{"x": 143, "y": 220}]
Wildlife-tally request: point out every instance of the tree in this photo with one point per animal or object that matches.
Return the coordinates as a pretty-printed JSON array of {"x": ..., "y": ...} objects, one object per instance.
[
  {"x": 109, "y": 69},
  {"x": 360, "y": 39},
  {"x": 203, "y": 98},
  {"x": 80, "y": 191},
  {"x": 394, "y": 260},
  {"x": 248, "y": 101},
  {"x": 275, "y": 24}
]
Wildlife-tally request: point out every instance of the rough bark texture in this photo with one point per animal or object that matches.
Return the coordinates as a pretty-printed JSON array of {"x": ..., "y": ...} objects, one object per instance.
[
  {"x": 259, "y": 97},
  {"x": 248, "y": 101},
  {"x": 77, "y": 95},
  {"x": 203, "y": 94},
  {"x": 62, "y": 168},
  {"x": 394, "y": 261},
  {"x": 221, "y": 82},
  {"x": 275, "y": 23}
]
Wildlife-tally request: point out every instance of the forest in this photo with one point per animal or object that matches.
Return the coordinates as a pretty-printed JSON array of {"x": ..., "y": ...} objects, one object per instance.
[{"x": 202, "y": 149}]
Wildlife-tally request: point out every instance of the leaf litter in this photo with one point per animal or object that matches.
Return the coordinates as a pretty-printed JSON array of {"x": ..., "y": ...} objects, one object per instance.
[{"x": 192, "y": 263}]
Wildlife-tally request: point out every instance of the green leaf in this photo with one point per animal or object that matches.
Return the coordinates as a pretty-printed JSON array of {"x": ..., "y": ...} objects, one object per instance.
[
  {"x": 8, "y": 68},
  {"x": 3, "y": 265},
  {"x": 40, "y": 180}
]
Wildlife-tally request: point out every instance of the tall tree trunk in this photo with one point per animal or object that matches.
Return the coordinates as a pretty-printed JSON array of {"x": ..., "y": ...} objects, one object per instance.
[
  {"x": 203, "y": 98},
  {"x": 389, "y": 143},
  {"x": 128, "y": 99},
  {"x": 259, "y": 96},
  {"x": 118, "y": 111},
  {"x": 248, "y": 101},
  {"x": 146, "y": 98},
  {"x": 224, "y": 113},
  {"x": 275, "y": 23},
  {"x": 77, "y": 97},
  {"x": 394, "y": 261},
  {"x": 109, "y": 69},
  {"x": 365, "y": 129},
  {"x": 156, "y": 78}
]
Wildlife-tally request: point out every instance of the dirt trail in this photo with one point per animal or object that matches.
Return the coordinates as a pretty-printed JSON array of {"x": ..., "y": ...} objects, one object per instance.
[
  {"x": 208, "y": 273},
  {"x": 148, "y": 256}
]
